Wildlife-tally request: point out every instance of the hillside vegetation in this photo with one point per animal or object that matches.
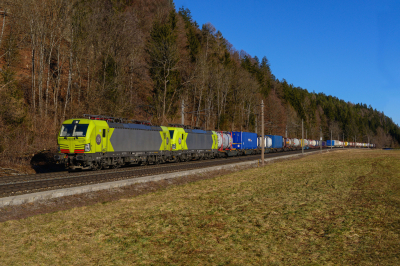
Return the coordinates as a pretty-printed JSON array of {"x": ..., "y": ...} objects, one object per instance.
[
  {"x": 339, "y": 208},
  {"x": 140, "y": 59}
]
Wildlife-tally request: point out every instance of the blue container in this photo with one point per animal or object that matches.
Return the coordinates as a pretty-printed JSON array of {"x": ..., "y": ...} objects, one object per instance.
[
  {"x": 244, "y": 140},
  {"x": 328, "y": 143},
  {"x": 277, "y": 141}
]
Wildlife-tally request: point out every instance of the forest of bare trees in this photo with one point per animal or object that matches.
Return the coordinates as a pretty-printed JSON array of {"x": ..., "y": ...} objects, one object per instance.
[{"x": 140, "y": 59}]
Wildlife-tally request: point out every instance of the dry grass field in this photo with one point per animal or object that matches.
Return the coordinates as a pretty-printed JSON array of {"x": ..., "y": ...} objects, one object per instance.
[{"x": 339, "y": 208}]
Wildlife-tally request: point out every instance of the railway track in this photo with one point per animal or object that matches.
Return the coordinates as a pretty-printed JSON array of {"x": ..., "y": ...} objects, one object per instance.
[{"x": 18, "y": 185}]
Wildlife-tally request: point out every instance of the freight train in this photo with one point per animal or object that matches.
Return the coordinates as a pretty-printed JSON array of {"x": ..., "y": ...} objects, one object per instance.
[{"x": 98, "y": 142}]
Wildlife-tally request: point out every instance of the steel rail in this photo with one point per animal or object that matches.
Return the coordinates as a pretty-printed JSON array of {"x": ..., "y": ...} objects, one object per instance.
[{"x": 19, "y": 186}]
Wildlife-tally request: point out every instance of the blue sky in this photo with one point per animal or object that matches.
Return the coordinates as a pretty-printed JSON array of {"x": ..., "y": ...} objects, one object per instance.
[{"x": 348, "y": 49}]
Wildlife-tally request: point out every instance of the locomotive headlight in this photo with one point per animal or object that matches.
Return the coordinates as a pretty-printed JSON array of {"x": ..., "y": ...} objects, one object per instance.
[{"x": 87, "y": 147}]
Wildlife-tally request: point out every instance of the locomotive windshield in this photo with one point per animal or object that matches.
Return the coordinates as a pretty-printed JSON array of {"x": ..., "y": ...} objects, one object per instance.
[{"x": 74, "y": 130}]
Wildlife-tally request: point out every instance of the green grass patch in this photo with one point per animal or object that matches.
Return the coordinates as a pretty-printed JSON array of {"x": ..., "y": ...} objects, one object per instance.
[{"x": 338, "y": 208}]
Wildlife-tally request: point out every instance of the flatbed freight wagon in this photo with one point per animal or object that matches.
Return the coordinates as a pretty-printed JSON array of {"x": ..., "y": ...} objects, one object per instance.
[
  {"x": 245, "y": 142},
  {"x": 277, "y": 142}
]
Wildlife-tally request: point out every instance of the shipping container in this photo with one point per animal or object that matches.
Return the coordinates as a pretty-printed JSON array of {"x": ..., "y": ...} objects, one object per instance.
[
  {"x": 277, "y": 141},
  {"x": 296, "y": 142},
  {"x": 267, "y": 142},
  {"x": 288, "y": 143},
  {"x": 334, "y": 143},
  {"x": 304, "y": 143},
  {"x": 224, "y": 140},
  {"x": 244, "y": 140}
]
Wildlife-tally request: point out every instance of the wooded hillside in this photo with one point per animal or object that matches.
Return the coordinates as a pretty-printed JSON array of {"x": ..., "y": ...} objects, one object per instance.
[{"x": 140, "y": 59}]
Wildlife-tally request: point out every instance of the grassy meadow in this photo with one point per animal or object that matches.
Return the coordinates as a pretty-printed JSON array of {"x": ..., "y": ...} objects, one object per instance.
[{"x": 338, "y": 208}]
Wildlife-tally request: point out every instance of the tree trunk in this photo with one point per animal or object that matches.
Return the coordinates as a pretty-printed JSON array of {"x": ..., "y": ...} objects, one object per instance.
[
  {"x": 49, "y": 71},
  {"x": 41, "y": 72},
  {"x": 69, "y": 76},
  {"x": 33, "y": 78},
  {"x": 80, "y": 82},
  {"x": 194, "y": 104},
  {"x": 166, "y": 70},
  {"x": 88, "y": 80},
  {"x": 55, "y": 96},
  {"x": 4, "y": 24},
  {"x": 198, "y": 108}
]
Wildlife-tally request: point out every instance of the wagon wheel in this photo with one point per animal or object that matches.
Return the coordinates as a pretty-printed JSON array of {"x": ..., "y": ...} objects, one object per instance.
[
  {"x": 116, "y": 165},
  {"x": 96, "y": 166}
]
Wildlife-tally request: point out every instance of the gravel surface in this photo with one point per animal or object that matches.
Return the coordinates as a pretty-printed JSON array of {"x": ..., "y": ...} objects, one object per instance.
[
  {"x": 69, "y": 202},
  {"x": 64, "y": 203}
]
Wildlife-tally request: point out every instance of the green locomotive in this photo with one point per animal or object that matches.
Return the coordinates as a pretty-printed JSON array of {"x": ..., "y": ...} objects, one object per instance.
[{"x": 96, "y": 142}]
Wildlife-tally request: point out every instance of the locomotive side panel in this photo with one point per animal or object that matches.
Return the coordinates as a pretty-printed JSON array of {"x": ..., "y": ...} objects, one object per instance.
[
  {"x": 199, "y": 140},
  {"x": 133, "y": 140}
]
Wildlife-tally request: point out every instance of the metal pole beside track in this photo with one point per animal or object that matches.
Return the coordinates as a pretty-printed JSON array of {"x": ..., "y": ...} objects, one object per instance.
[
  {"x": 262, "y": 133},
  {"x": 183, "y": 112},
  {"x": 302, "y": 137},
  {"x": 257, "y": 124},
  {"x": 320, "y": 138},
  {"x": 286, "y": 132},
  {"x": 331, "y": 139}
]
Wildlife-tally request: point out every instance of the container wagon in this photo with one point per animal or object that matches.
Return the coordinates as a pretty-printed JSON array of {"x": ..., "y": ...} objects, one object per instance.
[
  {"x": 225, "y": 142},
  {"x": 245, "y": 142},
  {"x": 277, "y": 143}
]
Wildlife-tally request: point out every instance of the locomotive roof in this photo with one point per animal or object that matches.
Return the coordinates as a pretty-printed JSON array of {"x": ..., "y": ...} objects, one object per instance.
[
  {"x": 198, "y": 131},
  {"x": 134, "y": 126}
]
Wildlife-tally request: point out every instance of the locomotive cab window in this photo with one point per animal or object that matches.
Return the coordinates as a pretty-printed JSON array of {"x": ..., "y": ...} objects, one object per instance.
[
  {"x": 171, "y": 133},
  {"x": 104, "y": 133},
  {"x": 74, "y": 130}
]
